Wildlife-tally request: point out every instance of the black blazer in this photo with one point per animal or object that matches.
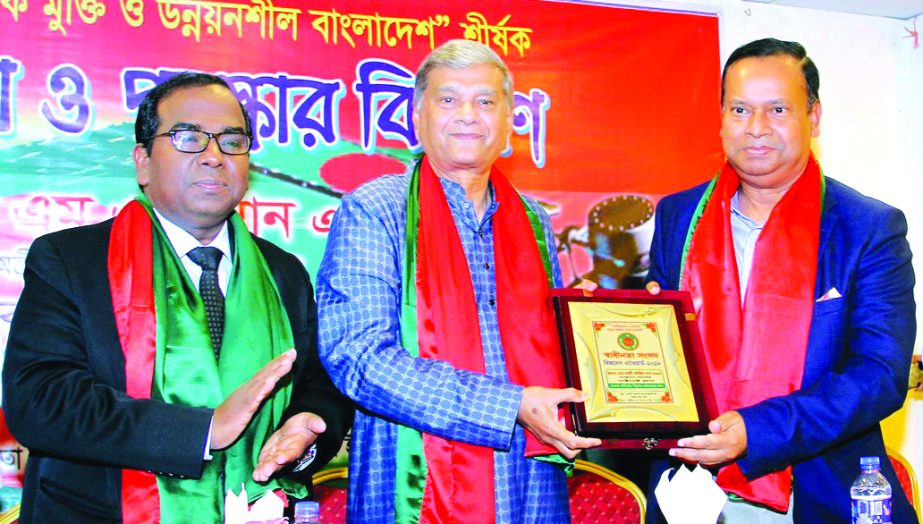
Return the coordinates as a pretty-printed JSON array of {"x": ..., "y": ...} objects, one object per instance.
[{"x": 64, "y": 384}]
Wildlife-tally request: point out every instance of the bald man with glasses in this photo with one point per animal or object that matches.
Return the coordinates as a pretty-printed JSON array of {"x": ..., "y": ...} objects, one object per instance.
[{"x": 161, "y": 358}]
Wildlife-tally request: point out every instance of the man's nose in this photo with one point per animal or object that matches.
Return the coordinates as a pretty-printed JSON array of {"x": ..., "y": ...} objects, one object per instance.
[
  {"x": 212, "y": 154},
  {"x": 466, "y": 112},
  {"x": 758, "y": 124}
]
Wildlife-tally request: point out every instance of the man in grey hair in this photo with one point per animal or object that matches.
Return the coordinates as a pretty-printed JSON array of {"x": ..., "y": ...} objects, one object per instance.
[{"x": 434, "y": 318}]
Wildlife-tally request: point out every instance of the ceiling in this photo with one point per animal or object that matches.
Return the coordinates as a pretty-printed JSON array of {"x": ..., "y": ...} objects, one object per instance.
[{"x": 902, "y": 9}]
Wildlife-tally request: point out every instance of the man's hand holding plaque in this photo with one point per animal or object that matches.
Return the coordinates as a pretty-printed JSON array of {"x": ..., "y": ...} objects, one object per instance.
[
  {"x": 538, "y": 412},
  {"x": 726, "y": 441}
]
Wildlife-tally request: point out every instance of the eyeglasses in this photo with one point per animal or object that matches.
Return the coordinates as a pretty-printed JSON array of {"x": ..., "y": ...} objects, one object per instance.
[{"x": 195, "y": 141}]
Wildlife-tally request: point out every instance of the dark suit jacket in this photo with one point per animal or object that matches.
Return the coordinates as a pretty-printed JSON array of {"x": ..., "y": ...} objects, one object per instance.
[
  {"x": 64, "y": 384},
  {"x": 859, "y": 349}
]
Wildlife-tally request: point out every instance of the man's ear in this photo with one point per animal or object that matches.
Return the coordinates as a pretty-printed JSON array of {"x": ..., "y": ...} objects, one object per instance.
[
  {"x": 814, "y": 115},
  {"x": 142, "y": 165}
]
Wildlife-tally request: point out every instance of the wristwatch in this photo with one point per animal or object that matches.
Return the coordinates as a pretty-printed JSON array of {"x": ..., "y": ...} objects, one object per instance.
[{"x": 306, "y": 460}]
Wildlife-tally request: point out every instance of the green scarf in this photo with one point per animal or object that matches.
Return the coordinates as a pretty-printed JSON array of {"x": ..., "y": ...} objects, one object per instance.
[
  {"x": 186, "y": 373},
  {"x": 517, "y": 225}
]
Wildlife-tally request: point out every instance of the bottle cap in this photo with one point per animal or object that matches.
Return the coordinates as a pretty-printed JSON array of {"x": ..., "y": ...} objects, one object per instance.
[
  {"x": 869, "y": 461},
  {"x": 307, "y": 508}
]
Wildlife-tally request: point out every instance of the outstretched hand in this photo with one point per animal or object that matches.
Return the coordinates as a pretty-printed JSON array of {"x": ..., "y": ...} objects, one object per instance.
[
  {"x": 538, "y": 412},
  {"x": 232, "y": 416},
  {"x": 288, "y": 444}
]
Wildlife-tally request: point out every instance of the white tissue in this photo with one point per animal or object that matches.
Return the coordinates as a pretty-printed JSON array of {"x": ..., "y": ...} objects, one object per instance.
[
  {"x": 269, "y": 508},
  {"x": 690, "y": 497}
]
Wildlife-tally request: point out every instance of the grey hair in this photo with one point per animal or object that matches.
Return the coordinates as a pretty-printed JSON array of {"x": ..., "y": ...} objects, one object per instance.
[{"x": 461, "y": 54}]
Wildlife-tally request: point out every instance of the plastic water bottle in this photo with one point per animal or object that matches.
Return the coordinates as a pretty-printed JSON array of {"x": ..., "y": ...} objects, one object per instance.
[
  {"x": 308, "y": 512},
  {"x": 870, "y": 494}
]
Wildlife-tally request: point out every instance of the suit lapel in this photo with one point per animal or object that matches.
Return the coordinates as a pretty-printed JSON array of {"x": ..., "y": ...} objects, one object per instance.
[{"x": 828, "y": 222}]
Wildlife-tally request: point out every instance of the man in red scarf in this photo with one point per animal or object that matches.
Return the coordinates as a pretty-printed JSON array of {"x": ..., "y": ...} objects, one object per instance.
[
  {"x": 804, "y": 294},
  {"x": 435, "y": 319},
  {"x": 147, "y": 378}
]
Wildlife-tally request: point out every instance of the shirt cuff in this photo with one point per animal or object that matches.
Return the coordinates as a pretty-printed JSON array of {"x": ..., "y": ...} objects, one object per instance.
[{"x": 208, "y": 442}]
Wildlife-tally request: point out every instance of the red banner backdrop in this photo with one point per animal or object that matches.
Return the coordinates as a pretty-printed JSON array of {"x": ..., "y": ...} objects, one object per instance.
[{"x": 615, "y": 106}]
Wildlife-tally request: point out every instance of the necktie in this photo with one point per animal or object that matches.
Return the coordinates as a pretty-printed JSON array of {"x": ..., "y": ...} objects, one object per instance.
[{"x": 208, "y": 259}]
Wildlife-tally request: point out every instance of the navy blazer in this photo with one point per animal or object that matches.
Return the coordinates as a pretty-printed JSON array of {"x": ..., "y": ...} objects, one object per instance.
[
  {"x": 64, "y": 384},
  {"x": 859, "y": 350}
]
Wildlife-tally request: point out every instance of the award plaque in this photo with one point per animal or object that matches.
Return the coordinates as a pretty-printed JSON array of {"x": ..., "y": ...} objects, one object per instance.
[{"x": 639, "y": 359}]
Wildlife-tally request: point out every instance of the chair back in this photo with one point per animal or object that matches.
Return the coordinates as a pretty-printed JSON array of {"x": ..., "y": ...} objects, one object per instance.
[
  {"x": 596, "y": 494},
  {"x": 330, "y": 492},
  {"x": 906, "y": 477},
  {"x": 599, "y": 495}
]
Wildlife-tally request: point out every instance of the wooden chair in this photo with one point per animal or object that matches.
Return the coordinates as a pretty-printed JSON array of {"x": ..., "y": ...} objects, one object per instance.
[
  {"x": 906, "y": 477},
  {"x": 330, "y": 492},
  {"x": 599, "y": 495}
]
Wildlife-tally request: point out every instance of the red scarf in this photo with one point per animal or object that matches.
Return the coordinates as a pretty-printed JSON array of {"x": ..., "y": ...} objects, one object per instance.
[
  {"x": 132, "y": 286},
  {"x": 758, "y": 351},
  {"x": 460, "y": 481}
]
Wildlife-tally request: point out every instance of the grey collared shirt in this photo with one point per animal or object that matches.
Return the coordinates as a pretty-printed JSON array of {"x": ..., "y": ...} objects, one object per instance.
[{"x": 745, "y": 232}]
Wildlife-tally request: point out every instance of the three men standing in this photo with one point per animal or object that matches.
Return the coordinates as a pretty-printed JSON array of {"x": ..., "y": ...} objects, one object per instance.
[{"x": 434, "y": 319}]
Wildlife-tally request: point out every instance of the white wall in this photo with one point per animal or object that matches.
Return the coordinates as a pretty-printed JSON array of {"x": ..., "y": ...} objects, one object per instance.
[{"x": 872, "y": 124}]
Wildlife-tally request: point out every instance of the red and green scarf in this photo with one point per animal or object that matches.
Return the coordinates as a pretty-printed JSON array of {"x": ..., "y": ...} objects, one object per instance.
[
  {"x": 163, "y": 331},
  {"x": 439, "y": 480},
  {"x": 757, "y": 351}
]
